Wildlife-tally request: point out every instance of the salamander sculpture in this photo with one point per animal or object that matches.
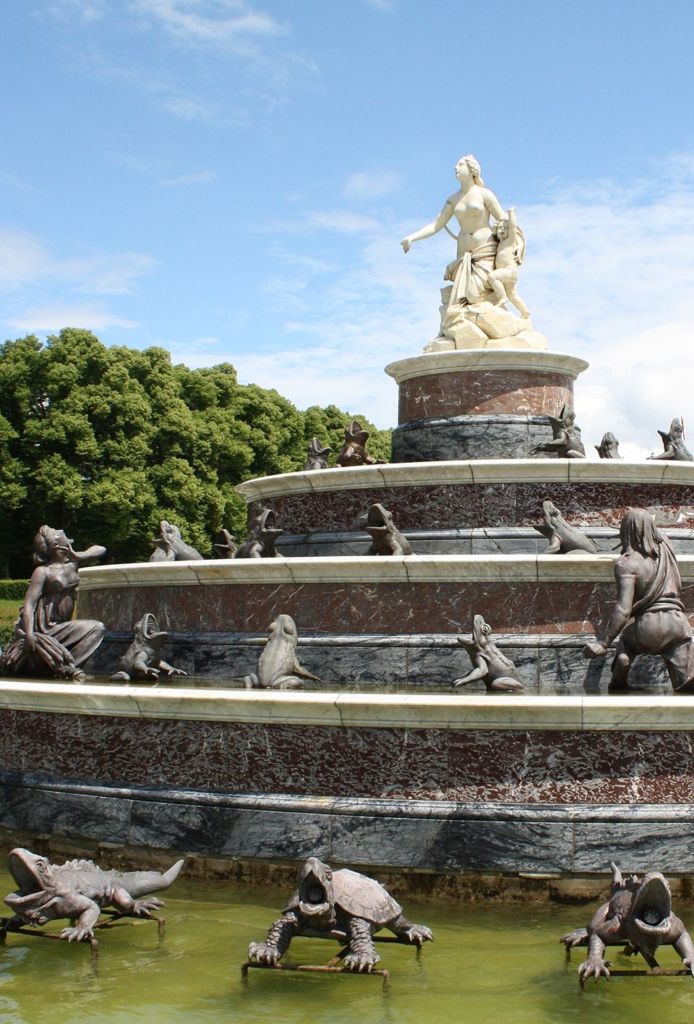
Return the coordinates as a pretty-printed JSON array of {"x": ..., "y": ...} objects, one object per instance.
[
  {"x": 79, "y": 889},
  {"x": 497, "y": 672},
  {"x": 639, "y": 916},
  {"x": 278, "y": 666},
  {"x": 343, "y": 905},
  {"x": 386, "y": 539},
  {"x": 562, "y": 537},
  {"x": 143, "y": 659}
]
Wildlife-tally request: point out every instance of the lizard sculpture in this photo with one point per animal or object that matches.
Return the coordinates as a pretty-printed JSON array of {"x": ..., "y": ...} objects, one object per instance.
[{"x": 79, "y": 889}]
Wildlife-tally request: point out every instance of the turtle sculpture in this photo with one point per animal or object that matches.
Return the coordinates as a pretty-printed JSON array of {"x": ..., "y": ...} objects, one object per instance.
[{"x": 343, "y": 905}]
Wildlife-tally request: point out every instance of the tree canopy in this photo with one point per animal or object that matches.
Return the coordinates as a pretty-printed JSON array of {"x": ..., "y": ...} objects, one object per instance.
[{"x": 107, "y": 441}]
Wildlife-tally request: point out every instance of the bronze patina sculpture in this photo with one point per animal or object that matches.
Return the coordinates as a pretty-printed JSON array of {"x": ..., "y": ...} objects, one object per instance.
[
  {"x": 317, "y": 455},
  {"x": 674, "y": 447},
  {"x": 649, "y": 613},
  {"x": 339, "y": 904},
  {"x": 639, "y": 916},
  {"x": 143, "y": 659},
  {"x": 169, "y": 546},
  {"x": 225, "y": 544},
  {"x": 262, "y": 534},
  {"x": 79, "y": 890},
  {"x": 278, "y": 666},
  {"x": 566, "y": 437},
  {"x": 608, "y": 447},
  {"x": 386, "y": 539},
  {"x": 497, "y": 672},
  {"x": 562, "y": 537},
  {"x": 48, "y": 641},
  {"x": 353, "y": 451}
]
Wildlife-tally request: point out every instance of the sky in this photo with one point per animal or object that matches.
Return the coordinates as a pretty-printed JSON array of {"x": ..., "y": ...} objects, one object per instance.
[{"x": 231, "y": 180}]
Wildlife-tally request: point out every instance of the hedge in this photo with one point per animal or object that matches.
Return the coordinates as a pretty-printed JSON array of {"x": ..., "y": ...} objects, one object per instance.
[{"x": 13, "y": 590}]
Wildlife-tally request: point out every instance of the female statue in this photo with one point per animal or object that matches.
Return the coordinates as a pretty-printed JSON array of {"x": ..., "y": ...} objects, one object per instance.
[
  {"x": 472, "y": 206},
  {"x": 48, "y": 641}
]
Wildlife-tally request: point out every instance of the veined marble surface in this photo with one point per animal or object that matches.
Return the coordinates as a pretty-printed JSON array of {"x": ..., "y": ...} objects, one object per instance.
[
  {"x": 354, "y": 710},
  {"x": 491, "y": 360},
  {"x": 475, "y": 471}
]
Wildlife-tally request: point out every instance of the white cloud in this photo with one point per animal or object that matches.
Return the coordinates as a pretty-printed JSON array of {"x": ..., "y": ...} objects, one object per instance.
[
  {"x": 55, "y": 317},
  {"x": 194, "y": 178},
  {"x": 371, "y": 184},
  {"x": 23, "y": 258},
  {"x": 343, "y": 221},
  {"x": 12, "y": 181},
  {"x": 219, "y": 23}
]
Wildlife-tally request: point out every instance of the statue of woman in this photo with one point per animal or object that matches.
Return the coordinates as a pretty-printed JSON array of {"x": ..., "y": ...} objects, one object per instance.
[
  {"x": 472, "y": 206},
  {"x": 48, "y": 641}
]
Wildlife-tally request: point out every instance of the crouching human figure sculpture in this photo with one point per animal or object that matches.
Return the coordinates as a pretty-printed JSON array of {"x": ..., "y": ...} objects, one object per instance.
[
  {"x": 343, "y": 905},
  {"x": 649, "y": 613},
  {"x": 48, "y": 641},
  {"x": 639, "y": 916}
]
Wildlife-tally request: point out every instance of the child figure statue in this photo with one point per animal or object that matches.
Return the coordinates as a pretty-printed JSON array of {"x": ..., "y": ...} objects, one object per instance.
[{"x": 509, "y": 256}]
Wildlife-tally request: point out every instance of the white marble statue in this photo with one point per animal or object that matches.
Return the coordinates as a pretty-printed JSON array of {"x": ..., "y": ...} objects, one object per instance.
[{"x": 484, "y": 274}]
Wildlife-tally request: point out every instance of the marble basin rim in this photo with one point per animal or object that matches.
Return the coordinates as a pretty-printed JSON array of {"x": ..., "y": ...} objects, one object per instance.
[
  {"x": 489, "y": 360},
  {"x": 353, "y": 710},
  {"x": 470, "y": 471},
  {"x": 319, "y": 569}
]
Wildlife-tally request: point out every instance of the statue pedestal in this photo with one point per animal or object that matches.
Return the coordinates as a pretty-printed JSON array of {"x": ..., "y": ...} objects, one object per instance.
[{"x": 479, "y": 403}]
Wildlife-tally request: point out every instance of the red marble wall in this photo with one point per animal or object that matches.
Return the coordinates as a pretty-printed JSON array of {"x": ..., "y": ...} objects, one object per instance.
[
  {"x": 353, "y": 608},
  {"x": 466, "y": 506},
  {"x": 433, "y": 764},
  {"x": 474, "y": 392}
]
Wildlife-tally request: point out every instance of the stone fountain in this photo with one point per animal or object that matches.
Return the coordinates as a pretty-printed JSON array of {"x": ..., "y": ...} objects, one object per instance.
[{"x": 381, "y": 762}]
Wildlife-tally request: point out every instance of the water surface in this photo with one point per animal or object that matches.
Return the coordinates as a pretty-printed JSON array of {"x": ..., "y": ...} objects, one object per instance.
[{"x": 489, "y": 963}]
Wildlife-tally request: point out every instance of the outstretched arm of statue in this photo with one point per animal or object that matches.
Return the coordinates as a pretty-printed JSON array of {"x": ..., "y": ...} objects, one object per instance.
[
  {"x": 95, "y": 551},
  {"x": 430, "y": 229},
  {"x": 621, "y": 613}
]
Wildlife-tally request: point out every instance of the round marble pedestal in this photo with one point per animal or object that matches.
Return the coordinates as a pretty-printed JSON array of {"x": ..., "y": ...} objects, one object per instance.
[{"x": 479, "y": 403}]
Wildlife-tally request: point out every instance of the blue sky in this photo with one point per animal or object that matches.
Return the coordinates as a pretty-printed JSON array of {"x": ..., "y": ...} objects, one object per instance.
[{"x": 231, "y": 180}]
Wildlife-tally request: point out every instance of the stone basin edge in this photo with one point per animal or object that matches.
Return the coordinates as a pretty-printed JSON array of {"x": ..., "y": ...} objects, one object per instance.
[{"x": 354, "y": 710}]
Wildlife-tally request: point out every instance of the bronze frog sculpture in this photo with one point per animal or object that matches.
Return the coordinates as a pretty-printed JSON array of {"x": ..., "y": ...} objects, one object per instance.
[
  {"x": 79, "y": 889},
  {"x": 386, "y": 539},
  {"x": 278, "y": 666},
  {"x": 339, "y": 904},
  {"x": 169, "y": 546},
  {"x": 497, "y": 672},
  {"x": 638, "y": 915},
  {"x": 143, "y": 659},
  {"x": 563, "y": 538},
  {"x": 262, "y": 534}
]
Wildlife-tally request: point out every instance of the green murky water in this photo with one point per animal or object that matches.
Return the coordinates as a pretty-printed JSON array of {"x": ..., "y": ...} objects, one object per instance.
[{"x": 500, "y": 964}]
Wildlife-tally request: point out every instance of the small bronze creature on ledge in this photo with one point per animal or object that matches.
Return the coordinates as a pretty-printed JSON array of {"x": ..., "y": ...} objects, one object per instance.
[
  {"x": 169, "y": 546},
  {"x": 278, "y": 665},
  {"x": 353, "y": 451},
  {"x": 225, "y": 544},
  {"x": 562, "y": 537},
  {"x": 48, "y": 641},
  {"x": 649, "y": 614},
  {"x": 143, "y": 659},
  {"x": 674, "y": 447},
  {"x": 79, "y": 889},
  {"x": 343, "y": 905},
  {"x": 638, "y": 916},
  {"x": 608, "y": 447},
  {"x": 262, "y": 534},
  {"x": 386, "y": 539},
  {"x": 317, "y": 455},
  {"x": 566, "y": 440},
  {"x": 497, "y": 672}
]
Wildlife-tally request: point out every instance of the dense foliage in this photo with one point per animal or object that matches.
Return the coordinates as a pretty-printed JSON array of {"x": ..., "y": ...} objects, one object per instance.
[{"x": 105, "y": 442}]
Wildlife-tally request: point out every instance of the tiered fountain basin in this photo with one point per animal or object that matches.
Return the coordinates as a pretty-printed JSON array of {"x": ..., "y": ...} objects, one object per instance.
[
  {"x": 476, "y": 506},
  {"x": 383, "y": 623},
  {"x": 437, "y": 783}
]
